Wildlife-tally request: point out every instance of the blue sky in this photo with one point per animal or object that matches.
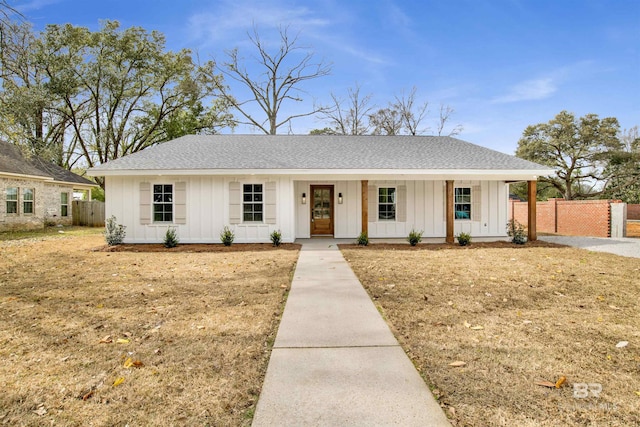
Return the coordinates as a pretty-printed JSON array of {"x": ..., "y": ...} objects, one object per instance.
[{"x": 501, "y": 64}]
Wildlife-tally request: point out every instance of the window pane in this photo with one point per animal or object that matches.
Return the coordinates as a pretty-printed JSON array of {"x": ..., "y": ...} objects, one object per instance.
[
  {"x": 12, "y": 194},
  {"x": 252, "y": 202},
  {"x": 64, "y": 197},
  {"x": 28, "y": 194},
  {"x": 162, "y": 202},
  {"x": 12, "y": 207}
]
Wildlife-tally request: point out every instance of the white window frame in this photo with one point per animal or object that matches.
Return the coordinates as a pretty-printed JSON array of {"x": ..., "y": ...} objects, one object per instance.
[
  {"x": 257, "y": 199},
  {"x": 462, "y": 202},
  {"x": 64, "y": 204},
  {"x": 25, "y": 201},
  {"x": 163, "y": 202},
  {"x": 12, "y": 200},
  {"x": 394, "y": 203}
]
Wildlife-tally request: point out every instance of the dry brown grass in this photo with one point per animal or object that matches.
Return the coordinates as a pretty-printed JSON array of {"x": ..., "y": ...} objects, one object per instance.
[
  {"x": 200, "y": 323},
  {"x": 545, "y": 313}
]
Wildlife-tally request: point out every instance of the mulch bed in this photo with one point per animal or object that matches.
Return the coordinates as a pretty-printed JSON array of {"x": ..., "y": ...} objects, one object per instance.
[
  {"x": 199, "y": 247},
  {"x": 441, "y": 246}
]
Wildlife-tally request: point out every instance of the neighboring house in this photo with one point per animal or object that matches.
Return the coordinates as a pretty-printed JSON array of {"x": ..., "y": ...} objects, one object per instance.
[
  {"x": 312, "y": 185},
  {"x": 34, "y": 192}
]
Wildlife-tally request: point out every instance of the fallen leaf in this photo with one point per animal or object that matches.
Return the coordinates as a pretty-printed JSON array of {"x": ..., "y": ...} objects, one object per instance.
[
  {"x": 546, "y": 384},
  {"x": 122, "y": 341},
  {"x": 138, "y": 364},
  {"x": 600, "y": 298},
  {"x": 42, "y": 411},
  {"x": 457, "y": 364},
  {"x": 560, "y": 381},
  {"x": 467, "y": 324},
  {"x": 200, "y": 327},
  {"x": 106, "y": 340},
  {"x": 527, "y": 322},
  {"x": 622, "y": 344},
  {"x": 119, "y": 381},
  {"x": 477, "y": 328},
  {"x": 614, "y": 307},
  {"x": 128, "y": 363},
  {"x": 87, "y": 395},
  {"x": 637, "y": 392}
]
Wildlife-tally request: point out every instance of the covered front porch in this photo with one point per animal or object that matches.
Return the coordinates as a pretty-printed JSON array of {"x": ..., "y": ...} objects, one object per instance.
[{"x": 390, "y": 209}]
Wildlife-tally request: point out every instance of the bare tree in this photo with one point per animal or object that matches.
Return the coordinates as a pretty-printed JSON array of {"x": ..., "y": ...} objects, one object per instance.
[
  {"x": 280, "y": 81},
  {"x": 445, "y": 115},
  {"x": 351, "y": 119},
  {"x": 411, "y": 115}
]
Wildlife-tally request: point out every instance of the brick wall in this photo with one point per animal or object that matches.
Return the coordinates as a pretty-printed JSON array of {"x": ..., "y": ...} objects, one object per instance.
[
  {"x": 46, "y": 206},
  {"x": 568, "y": 217},
  {"x": 633, "y": 212}
]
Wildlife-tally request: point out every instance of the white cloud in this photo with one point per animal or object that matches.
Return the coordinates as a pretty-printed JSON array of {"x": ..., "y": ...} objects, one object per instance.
[
  {"x": 528, "y": 90},
  {"x": 232, "y": 19}
]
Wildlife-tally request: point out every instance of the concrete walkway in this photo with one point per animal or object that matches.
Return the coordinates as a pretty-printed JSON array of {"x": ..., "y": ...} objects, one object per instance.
[
  {"x": 335, "y": 362},
  {"x": 623, "y": 246}
]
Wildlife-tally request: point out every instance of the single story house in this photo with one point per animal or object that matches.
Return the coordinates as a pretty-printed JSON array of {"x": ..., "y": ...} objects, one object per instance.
[
  {"x": 34, "y": 192},
  {"x": 311, "y": 186}
]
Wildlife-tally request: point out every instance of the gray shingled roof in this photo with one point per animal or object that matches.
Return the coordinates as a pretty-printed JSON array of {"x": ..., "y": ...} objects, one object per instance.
[
  {"x": 13, "y": 161},
  {"x": 316, "y": 152}
]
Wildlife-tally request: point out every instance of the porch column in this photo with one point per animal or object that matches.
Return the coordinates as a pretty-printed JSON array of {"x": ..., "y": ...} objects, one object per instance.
[
  {"x": 532, "y": 199},
  {"x": 365, "y": 206},
  {"x": 449, "y": 211}
]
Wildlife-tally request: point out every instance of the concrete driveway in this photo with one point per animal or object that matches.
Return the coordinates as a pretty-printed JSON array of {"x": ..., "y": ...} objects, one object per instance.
[{"x": 619, "y": 246}]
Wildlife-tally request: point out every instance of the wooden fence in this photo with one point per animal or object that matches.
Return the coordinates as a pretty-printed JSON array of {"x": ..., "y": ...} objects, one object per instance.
[{"x": 87, "y": 213}]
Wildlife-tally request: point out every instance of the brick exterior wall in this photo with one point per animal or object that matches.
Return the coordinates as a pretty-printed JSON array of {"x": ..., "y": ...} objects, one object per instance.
[
  {"x": 633, "y": 212},
  {"x": 46, "y": 206},
  {"x": 568, "y": 217}
]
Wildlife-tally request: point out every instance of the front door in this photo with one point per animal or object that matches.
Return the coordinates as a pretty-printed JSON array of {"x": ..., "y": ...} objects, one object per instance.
[{"x": 322, "y": 210}]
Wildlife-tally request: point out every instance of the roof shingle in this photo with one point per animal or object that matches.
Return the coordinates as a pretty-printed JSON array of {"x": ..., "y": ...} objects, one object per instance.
[{"x": 316, "y": 152}]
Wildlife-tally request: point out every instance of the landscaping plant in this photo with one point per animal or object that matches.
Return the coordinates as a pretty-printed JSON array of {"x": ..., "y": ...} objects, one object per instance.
[
  {"x": 414, "y": 237},
  {"x": 276, "y": 238},
  {"x": 227, "y": 236},
  {"x": 114, "y": 233},
  {"x": 464, "y": 239},
  {"x": 363, "y": 239},
  {"x": 515, "y": 230},
  {"x": 171, "y": 239}
]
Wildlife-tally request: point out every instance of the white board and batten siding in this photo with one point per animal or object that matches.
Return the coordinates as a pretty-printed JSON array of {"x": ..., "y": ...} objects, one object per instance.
[
  {"x": 420, "y": 205},
  {"x": 202, "y": 208}
]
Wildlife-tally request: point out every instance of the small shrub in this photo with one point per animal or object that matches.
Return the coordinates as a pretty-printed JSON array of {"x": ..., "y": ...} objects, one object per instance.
[
  {"x": 415, "y": 237},
  {"x": 227, "y": 236},
  {"x": 464, "y": 239},
  {"x": 515, "y": 230},
  {"x": 363, "y": 239},
  {"x": 276, "y": 238},
  {"x": 114, "y": 233},
  {"x": 171, "y": 239}
]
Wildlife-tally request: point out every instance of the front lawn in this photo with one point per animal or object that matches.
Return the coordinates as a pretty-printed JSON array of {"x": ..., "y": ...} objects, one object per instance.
[
  {"x": 485, "y": 326},
  {"x": 125, "y": 338}
]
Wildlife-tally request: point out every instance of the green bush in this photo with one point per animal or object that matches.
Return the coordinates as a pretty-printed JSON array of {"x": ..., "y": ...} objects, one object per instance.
[
  {"x": 363, "y": 239},
  {"x": 414, "y": 237},
  {"x": 276, "y": 238},
  {"x": 464, "y": 239},
  {"x": 171, "y": 239},
  {"x": 114, "y": 233},
  {"x": 515, "y": 230},
  {"x": 227, "y": 236}
]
